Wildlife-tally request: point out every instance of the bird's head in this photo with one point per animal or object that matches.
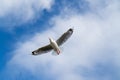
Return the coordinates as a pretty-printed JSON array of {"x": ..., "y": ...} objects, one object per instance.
[{"x": 50, "y": 39}]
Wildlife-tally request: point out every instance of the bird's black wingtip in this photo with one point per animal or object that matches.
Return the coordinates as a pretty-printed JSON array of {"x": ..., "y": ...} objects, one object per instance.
[
  {"x": 71, "y": 29},
  {"x": 33, "y": 53}
]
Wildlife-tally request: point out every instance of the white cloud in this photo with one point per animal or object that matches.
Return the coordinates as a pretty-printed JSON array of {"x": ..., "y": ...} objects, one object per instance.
[
  {"x": 94, "y": 37},
  {"x": 21, "y": 11}
]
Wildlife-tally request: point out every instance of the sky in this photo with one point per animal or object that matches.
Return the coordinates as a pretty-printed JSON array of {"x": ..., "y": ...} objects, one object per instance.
[{"x": 91, "y": 53}]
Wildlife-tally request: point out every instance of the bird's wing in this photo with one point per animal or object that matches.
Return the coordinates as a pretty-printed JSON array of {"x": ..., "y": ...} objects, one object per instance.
[
  {"x": 42, "y": 50},
  {"x": 64, "y": 37}
]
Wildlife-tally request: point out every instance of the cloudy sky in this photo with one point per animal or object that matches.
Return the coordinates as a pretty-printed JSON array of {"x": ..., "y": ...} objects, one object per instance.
[{"x": 92, "y": 53}]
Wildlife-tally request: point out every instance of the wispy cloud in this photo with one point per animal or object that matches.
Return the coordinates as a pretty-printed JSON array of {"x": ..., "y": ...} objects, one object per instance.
[
  {"x": 94, "y": 44},
  {"x": 15, "y": 12}
]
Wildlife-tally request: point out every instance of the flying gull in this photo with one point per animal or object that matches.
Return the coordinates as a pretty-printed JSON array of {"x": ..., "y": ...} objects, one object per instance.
[{"x": 54, "y": 45}]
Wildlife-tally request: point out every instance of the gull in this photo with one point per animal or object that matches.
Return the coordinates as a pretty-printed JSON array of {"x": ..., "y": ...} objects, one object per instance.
[{"x": 54, "y": 45}]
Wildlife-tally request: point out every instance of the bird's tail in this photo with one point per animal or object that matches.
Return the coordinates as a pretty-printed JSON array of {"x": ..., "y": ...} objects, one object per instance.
[{"x": 54, "y": 53}]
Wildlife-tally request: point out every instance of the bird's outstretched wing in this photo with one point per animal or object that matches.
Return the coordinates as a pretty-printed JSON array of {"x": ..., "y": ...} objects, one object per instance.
[
  {"x": 64, "y": 37},
  {"x": 42, "y": 50}
]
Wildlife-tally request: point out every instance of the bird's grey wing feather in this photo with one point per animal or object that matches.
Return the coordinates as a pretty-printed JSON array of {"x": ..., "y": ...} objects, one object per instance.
[
  {"x": 42, "y": 50},
  {"x": 64, "y": 37}
]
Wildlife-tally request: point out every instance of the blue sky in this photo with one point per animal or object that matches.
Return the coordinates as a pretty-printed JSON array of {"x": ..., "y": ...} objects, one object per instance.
[{"x": 92, "y": 53}]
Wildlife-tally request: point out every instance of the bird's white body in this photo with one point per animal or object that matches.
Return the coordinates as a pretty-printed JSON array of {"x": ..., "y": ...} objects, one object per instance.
[{"x": 54, "y": 46}]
